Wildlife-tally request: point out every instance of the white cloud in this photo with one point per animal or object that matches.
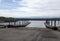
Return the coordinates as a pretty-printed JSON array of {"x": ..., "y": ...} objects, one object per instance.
[
  {"x": 14, "y": 0},
  {"x": 34, "y": 8}
]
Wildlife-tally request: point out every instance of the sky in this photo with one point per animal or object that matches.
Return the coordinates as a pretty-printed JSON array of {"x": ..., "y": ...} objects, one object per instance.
[{"x": 26, "y": 8}]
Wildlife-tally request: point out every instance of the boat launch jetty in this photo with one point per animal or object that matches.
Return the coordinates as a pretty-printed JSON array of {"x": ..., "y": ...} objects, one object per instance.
[{"x": 30, "y": 33}]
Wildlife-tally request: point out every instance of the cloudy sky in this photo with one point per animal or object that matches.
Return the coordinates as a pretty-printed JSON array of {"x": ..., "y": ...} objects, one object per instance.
[{"x": 25, "y": 8}]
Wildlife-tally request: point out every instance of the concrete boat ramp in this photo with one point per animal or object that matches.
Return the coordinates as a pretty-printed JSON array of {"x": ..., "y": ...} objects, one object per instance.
[{"x": 29, "y": 34}]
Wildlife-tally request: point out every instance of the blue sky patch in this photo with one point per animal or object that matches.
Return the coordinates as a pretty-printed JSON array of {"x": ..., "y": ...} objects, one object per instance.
[{"x": 9, "y": 4}]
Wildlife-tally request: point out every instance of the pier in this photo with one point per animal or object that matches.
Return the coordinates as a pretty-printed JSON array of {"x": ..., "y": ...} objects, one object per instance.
[
  {"x": 30, "y": 34},
  {"x": 50, "y": 22}
]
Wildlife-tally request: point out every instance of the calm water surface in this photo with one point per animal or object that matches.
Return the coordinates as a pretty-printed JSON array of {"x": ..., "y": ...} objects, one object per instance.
[{"x": 39, "y": 24}]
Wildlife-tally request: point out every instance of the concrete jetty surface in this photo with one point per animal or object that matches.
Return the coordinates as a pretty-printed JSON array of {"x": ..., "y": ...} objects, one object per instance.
[{"x": 29, "y": 34}]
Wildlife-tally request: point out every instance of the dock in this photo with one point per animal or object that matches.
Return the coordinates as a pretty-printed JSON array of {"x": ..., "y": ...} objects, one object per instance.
[{"x": 29, "y": 34}]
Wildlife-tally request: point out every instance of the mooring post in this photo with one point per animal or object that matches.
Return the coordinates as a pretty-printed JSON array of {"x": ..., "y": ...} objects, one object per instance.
[
  {"x": 14, "y": 22},
  {"x": 51, "y": 23},
  {"x": 47, "y": 22},
  {"x": 54, "y": 22},
  {"x": 22, "y": 22},
  {"x": 58, "y": 22},
  {"x": 6, "y": 26},
  {"x": 19, "y": 22},
  {"x": 9, "y": 23}
]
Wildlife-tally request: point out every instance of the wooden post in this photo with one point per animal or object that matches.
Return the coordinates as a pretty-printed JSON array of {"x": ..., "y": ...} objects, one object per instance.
[
  {"x": 46, "y": 21},
  {"x": 14, "y": 23},
  {"x": 22, "y": 22},
  {"x": 58, "y": 22},
  {"x": 51, "y": 23},
  {"x": 9, "y": 23},
  {"x": 55, "y": 23},
  {"x": 6, "y": 27},
  {"x": 19, "y": 22}
]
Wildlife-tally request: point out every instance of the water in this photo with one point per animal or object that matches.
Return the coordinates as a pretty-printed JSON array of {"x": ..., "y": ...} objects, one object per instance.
[{"x": 39, "y": 24}]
